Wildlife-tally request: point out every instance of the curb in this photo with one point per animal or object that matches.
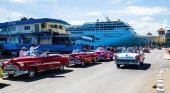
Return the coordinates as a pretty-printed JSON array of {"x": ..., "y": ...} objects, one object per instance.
[{"x": 159, "y": 82}]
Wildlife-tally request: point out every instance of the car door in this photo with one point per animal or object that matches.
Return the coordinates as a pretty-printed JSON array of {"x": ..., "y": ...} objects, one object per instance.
[{"x": 54, "y": 61}]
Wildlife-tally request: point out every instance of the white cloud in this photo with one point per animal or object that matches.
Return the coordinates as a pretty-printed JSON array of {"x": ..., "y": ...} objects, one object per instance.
[
  {"x": 129, "y": 2},
  {"x": 18, "y": 1},
  {"x": 116, "y": 1},
  {"x": 9, "y": 15},
  {"x": 30, "y": 1},
  {"x": 140, "y": 11},
  {"x": 145, "y": 25},
  {"x": 165, "y": 23},
  {"x": 77, "y": 22},
  {"x": 96, "y": 13},
  {"x": 146, "y": 18}
]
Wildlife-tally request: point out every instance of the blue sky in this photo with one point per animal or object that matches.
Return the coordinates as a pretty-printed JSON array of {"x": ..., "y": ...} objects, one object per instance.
[{"x": 143, "y": 15}]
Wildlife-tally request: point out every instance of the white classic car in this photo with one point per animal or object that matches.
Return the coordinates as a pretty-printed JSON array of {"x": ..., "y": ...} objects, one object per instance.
[{"x": 130, "y": 56}]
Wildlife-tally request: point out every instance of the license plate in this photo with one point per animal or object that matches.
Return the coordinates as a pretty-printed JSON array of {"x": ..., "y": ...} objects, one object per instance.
[{"x": 125, "y": 62}]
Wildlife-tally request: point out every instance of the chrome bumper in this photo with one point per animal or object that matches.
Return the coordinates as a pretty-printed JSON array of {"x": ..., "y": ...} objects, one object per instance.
[
  {"x": 74, "y": 61},
  {"x": 15, "y": 73},
  {"x": 127, "y": 62},
  {"x": 13, "y": 70}
]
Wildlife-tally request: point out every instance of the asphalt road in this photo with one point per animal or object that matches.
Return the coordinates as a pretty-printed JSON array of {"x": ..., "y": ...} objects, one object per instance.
[{"x": 102, "y": 77}]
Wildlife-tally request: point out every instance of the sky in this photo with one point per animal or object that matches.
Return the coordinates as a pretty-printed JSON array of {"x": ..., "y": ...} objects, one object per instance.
[{"x": 143, "y": 15}]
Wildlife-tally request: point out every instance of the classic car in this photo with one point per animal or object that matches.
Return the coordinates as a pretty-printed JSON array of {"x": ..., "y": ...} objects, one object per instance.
[
  {"x": 160, "y": 48},
  {"x": 130, "y": 56},
  {"x": 146, "y": 50},
  {"x": 30, "y": 65},
  {"x": 82, "y": 57},
  {"x": 104, "y": 54},
  {"x": 168, "y": 50},
  {"x": 0, "y": 69}
]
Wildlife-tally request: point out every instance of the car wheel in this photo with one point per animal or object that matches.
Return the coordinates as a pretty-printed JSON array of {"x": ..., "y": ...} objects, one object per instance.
[
  {"x": 111, "y": 58},
  {"x": 105, "y": 59},
  {"x": 83, "y": 64},
  {"x": 61, "y": 68},
  {"x": 139, "y": 66},
  {"x": 31, "y": 72},
  {"x": 118, "y": 66},
  {"x": 10, "y": 76},
  {"x": 94, "y": 61},
  {"x": 141, "y": 63}
]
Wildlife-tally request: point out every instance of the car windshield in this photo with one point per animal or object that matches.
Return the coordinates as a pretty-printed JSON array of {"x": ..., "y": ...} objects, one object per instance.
[
  {"x": 100, "y": 49},
  {"x": 78, "y": 51},
  {"x": 129, "y": 50},
  {"x": 34, "y": 53}
]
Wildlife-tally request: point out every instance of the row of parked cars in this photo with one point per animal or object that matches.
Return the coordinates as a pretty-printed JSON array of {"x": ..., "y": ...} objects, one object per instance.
[{"x": 30, "y": 65}]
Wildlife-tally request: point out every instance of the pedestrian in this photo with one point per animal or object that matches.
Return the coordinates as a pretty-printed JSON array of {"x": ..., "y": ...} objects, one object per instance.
[
  {"x": 32, "y": 50},
  {"x": 22, "y": 53},
  {"x": 45, "y": 54}
]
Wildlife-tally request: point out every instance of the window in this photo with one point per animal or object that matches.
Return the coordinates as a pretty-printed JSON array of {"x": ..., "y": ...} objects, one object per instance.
[
  {"x": 53, "y": 26},
  {"x": 27, "y": 41},
  {"x": 27, "y": 28},
  {"x": 60, "y": 27},
  {"x": 43, "y": 25}
]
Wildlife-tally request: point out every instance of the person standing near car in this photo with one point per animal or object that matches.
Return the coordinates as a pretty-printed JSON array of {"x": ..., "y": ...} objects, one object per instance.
[{"x": 22, "y": 52}]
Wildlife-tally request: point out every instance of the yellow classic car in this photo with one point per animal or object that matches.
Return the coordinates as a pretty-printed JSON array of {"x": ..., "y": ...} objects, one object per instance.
[{"x": 0, "y": 72}]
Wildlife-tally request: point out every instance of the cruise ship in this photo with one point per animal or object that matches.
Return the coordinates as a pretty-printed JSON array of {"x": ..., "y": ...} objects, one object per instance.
[{"x": 106, "y": 33}]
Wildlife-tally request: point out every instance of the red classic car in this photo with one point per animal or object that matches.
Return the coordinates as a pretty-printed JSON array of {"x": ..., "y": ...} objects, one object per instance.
[
  {"x": 146, "y": 50},
  {"x": 104, "y": 54},
  {"x": 31, "y": 65},
  {"x": 82, "y": 57}
]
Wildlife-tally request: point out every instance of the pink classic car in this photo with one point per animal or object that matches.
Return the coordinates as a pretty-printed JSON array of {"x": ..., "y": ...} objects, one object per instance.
[{"x": 104, "y": 54}]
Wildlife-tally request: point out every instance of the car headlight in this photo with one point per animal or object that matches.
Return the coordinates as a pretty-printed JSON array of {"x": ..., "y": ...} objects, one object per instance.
[{"x": 22, "y": 64}]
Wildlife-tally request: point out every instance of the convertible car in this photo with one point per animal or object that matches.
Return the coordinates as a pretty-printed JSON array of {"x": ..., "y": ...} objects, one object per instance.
[
  {"x": 82, "y": 57},
  {"x": 130, "y": 56},
  {"x": 104, "y": 54},
  {"x": 146, "y": 50},
  {"x": 30, "y": 65}
]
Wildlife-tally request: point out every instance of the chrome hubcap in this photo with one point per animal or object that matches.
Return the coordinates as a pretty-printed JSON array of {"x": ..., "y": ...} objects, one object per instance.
[{"x": 31, "y": 73}]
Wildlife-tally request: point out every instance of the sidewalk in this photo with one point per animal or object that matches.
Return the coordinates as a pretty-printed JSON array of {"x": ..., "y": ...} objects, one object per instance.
[{"x": 165, "y": 77}]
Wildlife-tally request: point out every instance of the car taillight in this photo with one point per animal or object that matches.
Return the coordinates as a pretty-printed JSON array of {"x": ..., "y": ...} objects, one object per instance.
[{"x": 137, "y": 57}]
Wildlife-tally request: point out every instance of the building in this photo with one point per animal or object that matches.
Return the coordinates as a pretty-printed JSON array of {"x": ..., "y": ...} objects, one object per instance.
[
  {"x": 49, "y": 33},
  {"x": 161, "y": 37},
  {"x": 167, "y": 38}
]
